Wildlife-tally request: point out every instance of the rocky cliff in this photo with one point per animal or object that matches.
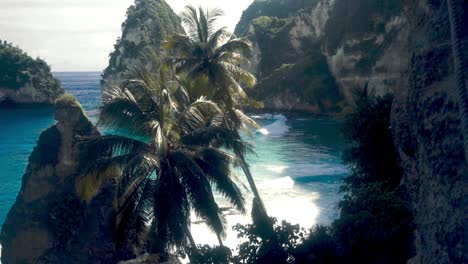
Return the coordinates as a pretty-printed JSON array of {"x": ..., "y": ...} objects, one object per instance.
[
  {"x": 309, "y": 55},
  {"x": 427, "y": 130},
  {"x": 24, "y": 80},
  {"x": 48, "y": 223},
  {"x": 402, "y": 47},
  {"x": 147, "y": 24}
]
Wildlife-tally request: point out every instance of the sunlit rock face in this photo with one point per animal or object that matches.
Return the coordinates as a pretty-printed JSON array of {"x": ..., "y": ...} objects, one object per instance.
[
  {"x": 426, "y": 125},
  {"x": 310, "y": 55},
  {"x": 148, "y": 23}
]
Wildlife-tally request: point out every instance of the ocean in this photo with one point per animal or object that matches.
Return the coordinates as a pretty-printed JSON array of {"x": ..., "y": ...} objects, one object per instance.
[{"x": 297, "y": 166}]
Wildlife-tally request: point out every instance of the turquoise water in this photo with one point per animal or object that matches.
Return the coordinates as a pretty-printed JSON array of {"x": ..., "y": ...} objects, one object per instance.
[{"x": 297, "y": 168}]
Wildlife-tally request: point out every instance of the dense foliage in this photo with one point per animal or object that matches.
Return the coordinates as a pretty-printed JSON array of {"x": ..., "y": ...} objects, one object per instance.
[
  {"x": 18, "y": 69},
  {"x": 166, "y": 154},
  {"x": 375, "y": 224},
  {"x": 174, "y": 139}
]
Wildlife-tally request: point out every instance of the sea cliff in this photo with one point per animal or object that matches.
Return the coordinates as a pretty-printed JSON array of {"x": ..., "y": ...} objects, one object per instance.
[
  {"x": 24, "y": 80},
  {"x": 148, "y": 23}
]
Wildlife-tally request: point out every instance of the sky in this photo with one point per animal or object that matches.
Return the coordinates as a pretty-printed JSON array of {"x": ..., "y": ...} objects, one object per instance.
[{"x": 78, "y": 35}]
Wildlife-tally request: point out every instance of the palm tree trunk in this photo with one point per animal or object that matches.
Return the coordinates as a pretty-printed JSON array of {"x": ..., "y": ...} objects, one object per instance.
[
  {"x": 220, "y": 240},
  {"x": 190, "y": 237},
  {"x": 458, "y": 60},
  {"x": 248, "y": 174}
]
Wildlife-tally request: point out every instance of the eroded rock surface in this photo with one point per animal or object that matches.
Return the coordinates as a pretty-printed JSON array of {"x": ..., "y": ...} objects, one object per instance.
[{"x": 426, "y": 125}]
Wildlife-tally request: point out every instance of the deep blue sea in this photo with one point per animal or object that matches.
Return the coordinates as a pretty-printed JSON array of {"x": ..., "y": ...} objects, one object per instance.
[{"x": 297, "y": 167}]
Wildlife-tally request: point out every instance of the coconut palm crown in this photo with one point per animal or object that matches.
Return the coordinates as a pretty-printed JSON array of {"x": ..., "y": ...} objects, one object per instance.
[
  {"x": 212, "y": 59},
  {"x": 213, "y": 54},
  {"x": 166, "y": 153}
]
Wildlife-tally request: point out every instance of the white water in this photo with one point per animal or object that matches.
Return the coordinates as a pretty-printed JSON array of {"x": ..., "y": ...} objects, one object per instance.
[{"x": 297, "y": 172}]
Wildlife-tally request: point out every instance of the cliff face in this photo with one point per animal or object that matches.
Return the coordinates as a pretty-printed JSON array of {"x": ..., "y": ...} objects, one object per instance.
[
  {"x": 147, "y": 24},
  {"x": 427, "y": 129},
  {"x": 336, "y": 45},
  {"x": 24, "y": 80},
  {"x": 48, "y": 223}
]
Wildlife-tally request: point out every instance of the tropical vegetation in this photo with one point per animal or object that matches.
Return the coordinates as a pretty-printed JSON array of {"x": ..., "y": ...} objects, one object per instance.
[
  {"x": 174, "y": 138},
  {"x": 212, "y": 60},
  {"x": 18, "y": 69},
  {"x": 375, "y": 224}
]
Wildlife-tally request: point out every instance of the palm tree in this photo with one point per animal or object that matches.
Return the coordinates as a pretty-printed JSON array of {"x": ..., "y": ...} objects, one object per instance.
[
  {"x": 215, "y": 57},
  {"x": 166, "y": 154}
]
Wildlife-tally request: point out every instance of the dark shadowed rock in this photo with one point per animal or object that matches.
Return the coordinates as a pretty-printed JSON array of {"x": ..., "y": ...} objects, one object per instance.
[
  {"x": 48, "y": 222},
  {"x": 426, "y": 125}
]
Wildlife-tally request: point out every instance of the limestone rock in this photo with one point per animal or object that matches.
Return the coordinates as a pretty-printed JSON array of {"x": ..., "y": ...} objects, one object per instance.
[
  {"x": 46, "y": 212},
  {"x": 148, "y": 23},
  {"x": 335, "y": 45},
  {"x": 426, "y": 125}
]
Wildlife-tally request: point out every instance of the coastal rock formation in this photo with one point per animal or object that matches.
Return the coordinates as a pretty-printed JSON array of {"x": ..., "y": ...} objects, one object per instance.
[
  {"x": 427, "y": 128},
  {"x": 310, "y": 55},
  {"x": 147, "y": 24},
  {"x": 48, "y": 223},
  {"x": 24, "y": 80}
]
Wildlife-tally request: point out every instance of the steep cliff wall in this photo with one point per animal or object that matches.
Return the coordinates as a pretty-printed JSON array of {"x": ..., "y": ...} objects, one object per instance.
[
  {"x": 334, "y": 45},
  {"x": 24, "y": 80},
  {"x": 147, "y": 24},
  {"x": 426, "y": 125}
]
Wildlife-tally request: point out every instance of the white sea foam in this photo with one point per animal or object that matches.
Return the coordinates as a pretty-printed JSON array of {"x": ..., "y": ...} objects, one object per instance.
[{"x": 278, "y": 127}]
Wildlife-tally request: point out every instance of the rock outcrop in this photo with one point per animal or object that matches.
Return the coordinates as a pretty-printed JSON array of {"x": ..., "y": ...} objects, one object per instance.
[
  {"x": 48, "y": 223},
  {"x": 148, "y": 23},
  {"x": 333, "y": 45},
  {"x": 24, "y": 80},
  {"x": 427, "y": 129}
]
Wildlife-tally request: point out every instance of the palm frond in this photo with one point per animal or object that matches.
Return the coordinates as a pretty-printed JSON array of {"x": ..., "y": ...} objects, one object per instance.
[
  {"x": 88, "y": 185},
  {"x": 217, "y": 166},
  {"x": 125, "y": 116},
  {"x": 216, "y": 39},
  {"x": 111, "y": 145},
  {"x": 213, "y": 15},
  {"x": 240, "y": 45},
  {"x": 180, "y": 43},
  {"x": 198, "y": 115},
  {"x": 141, "y": 166},
  {"x": 191, "y": 22},
  {"x": 199, "y": 191},
  {"x": 247, "y": 123},
  {"x": 172, "y": 209},
  {"x": 203, "y": 23},
  {"x": 233, "y": 58},
  {"x": 126, "y": 214},
  {"x": 239, "y": 74}
]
